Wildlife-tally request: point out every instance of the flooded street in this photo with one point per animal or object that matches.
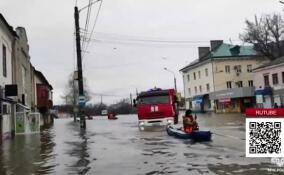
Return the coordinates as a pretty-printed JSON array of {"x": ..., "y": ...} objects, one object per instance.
[{"x": 118, "y": 147}]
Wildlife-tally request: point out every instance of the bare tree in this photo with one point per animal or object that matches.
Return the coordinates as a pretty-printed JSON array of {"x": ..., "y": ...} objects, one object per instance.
[
  {"x": 266, "y": 34},
  {"x": 72, "y": 92}
]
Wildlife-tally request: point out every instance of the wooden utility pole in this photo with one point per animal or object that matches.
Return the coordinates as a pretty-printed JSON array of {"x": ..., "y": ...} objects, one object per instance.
[{"x": 80, "y": 72}]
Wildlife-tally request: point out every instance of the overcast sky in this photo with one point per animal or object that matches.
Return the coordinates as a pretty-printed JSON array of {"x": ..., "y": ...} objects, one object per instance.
[{"x": 117, "y": 61}]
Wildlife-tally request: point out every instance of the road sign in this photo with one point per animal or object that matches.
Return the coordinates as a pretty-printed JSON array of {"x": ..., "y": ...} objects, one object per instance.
[{"x": 82, "y": 101}]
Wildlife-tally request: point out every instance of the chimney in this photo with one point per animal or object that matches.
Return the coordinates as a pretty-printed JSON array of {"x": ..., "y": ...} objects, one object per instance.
[
  {"x": 203, "y": 51},
  {"x": 215, "y": 43}
]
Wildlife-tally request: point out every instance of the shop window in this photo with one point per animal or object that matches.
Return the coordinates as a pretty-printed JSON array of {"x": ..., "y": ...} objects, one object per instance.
[
  {"x": 275, "y": 78},
  {"x": 266, "y": 80}
]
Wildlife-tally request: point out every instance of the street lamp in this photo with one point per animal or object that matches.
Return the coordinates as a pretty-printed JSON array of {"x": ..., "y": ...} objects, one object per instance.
[{"x": 175, "y": 81}]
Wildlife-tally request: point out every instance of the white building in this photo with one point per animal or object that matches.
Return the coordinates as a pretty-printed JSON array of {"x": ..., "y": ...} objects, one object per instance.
[
  {"x": 221, "y": 79},
  {"x": 269, "y": 84},
  {"x": 7, "y": 35},
  {"x": 198, "y": 82}
]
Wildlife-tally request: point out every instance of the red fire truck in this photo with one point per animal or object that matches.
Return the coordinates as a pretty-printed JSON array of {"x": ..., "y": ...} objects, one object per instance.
[{"x": 157, "y": 107}]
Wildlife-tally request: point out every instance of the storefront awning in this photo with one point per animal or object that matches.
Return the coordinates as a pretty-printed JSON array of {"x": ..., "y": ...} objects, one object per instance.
[
  {"x": 265, "y": 91},
  {"x": 198, "y": 98}
]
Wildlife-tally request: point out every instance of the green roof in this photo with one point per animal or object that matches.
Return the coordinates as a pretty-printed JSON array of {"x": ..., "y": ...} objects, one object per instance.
[
  {"x": 225, "y": 51},
  {"x": 228, "y": 50}
]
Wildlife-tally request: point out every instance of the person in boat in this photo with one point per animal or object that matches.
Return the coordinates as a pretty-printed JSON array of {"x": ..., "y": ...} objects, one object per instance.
[
  {"x": 111, "y": 115},
  {"x": 189, "y": 123}
]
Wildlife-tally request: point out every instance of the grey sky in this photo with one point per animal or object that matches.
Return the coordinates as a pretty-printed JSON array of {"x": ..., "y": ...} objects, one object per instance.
[{"x": 114, "y": 66}]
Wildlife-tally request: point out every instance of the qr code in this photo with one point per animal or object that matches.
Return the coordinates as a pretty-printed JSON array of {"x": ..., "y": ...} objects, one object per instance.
[{"x": 264, "y": 137}]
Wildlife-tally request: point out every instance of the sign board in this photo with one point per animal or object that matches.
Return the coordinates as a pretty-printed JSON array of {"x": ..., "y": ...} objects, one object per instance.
[
  {"x": 259, "y": 99},
  {"x": 82, "y": 101},
  {"x": 11, "y": 90},
  {"x": 224, "y": 100}
]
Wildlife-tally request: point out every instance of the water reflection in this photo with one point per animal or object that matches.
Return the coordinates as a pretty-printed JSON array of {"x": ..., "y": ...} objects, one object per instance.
[
  {"x": 47, "y": 155},
  {"x": 79, "y": 150}
]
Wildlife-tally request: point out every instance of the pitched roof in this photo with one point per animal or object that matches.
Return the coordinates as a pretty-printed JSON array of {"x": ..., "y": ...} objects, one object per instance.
[
  {"x": 10, "y": 28},
  {"x": 229, "y": 50},
  {"x": 277, "y": 61},
  {"x": 225, "y": 51},
  {"x": 42, "y": 77}
]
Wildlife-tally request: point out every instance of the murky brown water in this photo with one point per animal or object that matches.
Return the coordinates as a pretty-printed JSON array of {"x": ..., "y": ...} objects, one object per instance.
[{"x": 118, "y": 147}]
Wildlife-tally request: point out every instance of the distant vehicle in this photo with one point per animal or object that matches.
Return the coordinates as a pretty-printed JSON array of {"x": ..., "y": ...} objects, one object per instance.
[
  {"x": 157, "y": 107},
  {"x": 104, "y": 112}
]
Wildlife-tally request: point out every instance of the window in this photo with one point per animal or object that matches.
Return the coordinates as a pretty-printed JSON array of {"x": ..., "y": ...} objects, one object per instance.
[
  {"x": 24, "y": 72},
  {"x": 250, "y": 83},
  {"x": 275, "y": 78},
  {"x": 189, "y": 92},
  {"x": 238, "y": 68},
  {"x": 229, "y": 84},
  {"x": 227, "y": 69},
  {"x": 200, "y": 89},
  {"x": 164, "y": 99},
  {"x": 282, "y": 77},
  {"x": 5, "y": 109},
  {"x": 249, "y": 68},
  {"x": 207, "y": 87},
  {"x": 188, "y": 77},
  {"x": 199, "y": 74},
  {"x": 195, "y": 89},
  {"x": 206, "y": 72},
  {"x": 239, "y": 84},
  {"x": 194, "y": 76},
  {"x": 4, "y": 61},
  {"x": 266, "y": 80}
]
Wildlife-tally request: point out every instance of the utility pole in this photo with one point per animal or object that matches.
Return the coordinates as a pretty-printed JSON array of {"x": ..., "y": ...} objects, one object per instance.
[
  {"x": 80, "y": 72},
  {"x": 131, "y": 99}
]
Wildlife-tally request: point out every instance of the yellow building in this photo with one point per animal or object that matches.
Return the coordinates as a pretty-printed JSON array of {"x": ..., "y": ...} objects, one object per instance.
[{"x": 230, "y": 73}]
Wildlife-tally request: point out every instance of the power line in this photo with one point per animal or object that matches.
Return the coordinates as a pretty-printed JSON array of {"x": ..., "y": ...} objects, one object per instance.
[
  {"x": 87, "y": 23},
  {"x": 153, "y": 40},
  {"x": 96, "y": 19}
]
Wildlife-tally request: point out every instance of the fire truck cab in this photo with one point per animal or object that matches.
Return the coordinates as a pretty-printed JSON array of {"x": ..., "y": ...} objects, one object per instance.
[{"x": 157, "y": 107}]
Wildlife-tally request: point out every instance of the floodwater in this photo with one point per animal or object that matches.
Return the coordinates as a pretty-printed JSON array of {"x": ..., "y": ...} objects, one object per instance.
[{"x": 118, "y": 147}]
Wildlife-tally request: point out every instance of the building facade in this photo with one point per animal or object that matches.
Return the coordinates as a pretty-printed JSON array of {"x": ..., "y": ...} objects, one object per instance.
[
  {"x": 43, "y": 97},
  {"x": 18, "y": 83},
  {"x": 21, "y": 68},
  {"x": 269, "y": 83},
  {"x": 230, "y": 78},
  {"x": 198, "y": 83},
  {"x": 7, "y": 36}
]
